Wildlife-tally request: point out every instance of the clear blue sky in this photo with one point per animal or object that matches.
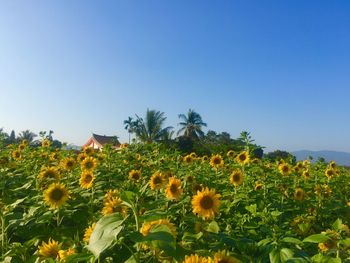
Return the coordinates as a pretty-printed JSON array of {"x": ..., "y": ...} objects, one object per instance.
[{"x": 279, "y": 69}]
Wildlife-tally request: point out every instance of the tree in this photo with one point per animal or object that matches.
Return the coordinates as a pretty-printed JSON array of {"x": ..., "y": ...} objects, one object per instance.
[
  {"x": 191, "y": 125},
  {"x": 128, "y": 126},
  {"x": 12, "y": 138},
  {"x": 27, "y": 135},
  {"x": 278, "y": 155},
  {"x": 151, "y": 128}
]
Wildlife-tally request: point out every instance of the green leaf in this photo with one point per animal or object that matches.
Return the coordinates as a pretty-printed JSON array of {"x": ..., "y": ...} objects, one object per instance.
[
  {"x": 278, "y": 256},
  {"x": 274, "y": 256},
  {"x": 251, "y": 209},
  {"x": 291, "y": 240},
  {"x": 16, "y": 203},
  {"x": 105, "y": 232},
  {"x": 264, "y": 242},
  {"x": 337, "y": 225},
  {"x": 276, "y": 213},
  {"x": 317, "y": 238},
  {"x": 213, "y": 227},
  {"x": 82, "y": 257},
  {"x": 128, "y": 196},
  {"x": 285, "y": 254}
]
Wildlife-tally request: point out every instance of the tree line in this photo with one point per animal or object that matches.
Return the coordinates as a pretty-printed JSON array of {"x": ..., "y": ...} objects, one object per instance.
[
  {"x": 32, "y": 138},
  {"x": 190, "y": 136}
]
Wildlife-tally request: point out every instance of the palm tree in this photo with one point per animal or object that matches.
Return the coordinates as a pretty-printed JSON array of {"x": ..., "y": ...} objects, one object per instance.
[
  {"x": 191, "y": 125},
  {"x": 150, "y": 129},
  {"x": 27, "y": 135},
  {"x": 129, "y": 126}
]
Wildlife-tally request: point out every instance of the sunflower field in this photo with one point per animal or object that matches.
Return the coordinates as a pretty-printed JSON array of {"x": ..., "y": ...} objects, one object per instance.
[{"x": 147, "y": 203}]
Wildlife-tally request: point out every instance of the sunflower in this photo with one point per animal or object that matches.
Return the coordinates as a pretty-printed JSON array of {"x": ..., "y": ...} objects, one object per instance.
[
  {"x": 49, "y": 249},
  {"x": 332, "y": 165},
  {"x": 88, "y": 232},
  {"x": 63, "y": 254},
  {"x": 21, "y": 147},
  {"x": 86, "y": 179},
  {"x": 236, "y": 177},
  {"x": 147, "y": 226},
  {"x": 306, "y": 174},
  {"x": 330, "y": 172},
  {"x": 224, "y": 257},
  {"x": 206, "y": 203},
  {"x": 230, "y": 154},
  {"x": 135, "y": 175},
  {"x": 88, "y": 150},
  {"x": 124, "y": 145},
  {"x": 299, "y": 165},
  {"x": 258, "y": 185},
  {"x": 56, "y": 195},
  {"x": 299, "y": 194},
  {"x": 68, "y": 163},
  {"x": 173, "y": 189},
  {"x": 216, "y": 161},
  {"x": 197, "y": 187},
  {"x": 190, "y": 179},
  {"x": 306, "y": 163},
  {"x": 188, "y": 159},
  {"x": 194, "y": 258},
  {"x": 112, "y": 204},
  {"x": 243, "y": 158},
  {"x": 54, "y": 156},
  {"x": 16, "y": 155},
  {"x": 46, "y": 143},
  {"x": 157, "y": 181},
  {"x": 89, "y": 163},
  {"x": 49, "y": 173},
  {"x": 205, "y": 158},
  {"x": 284, "y": 168},
  {"x": 81, "y": 157}
]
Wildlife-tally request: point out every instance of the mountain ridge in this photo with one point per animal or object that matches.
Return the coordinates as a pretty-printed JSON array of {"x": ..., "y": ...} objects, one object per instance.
[{"x": 342, "y": 158}]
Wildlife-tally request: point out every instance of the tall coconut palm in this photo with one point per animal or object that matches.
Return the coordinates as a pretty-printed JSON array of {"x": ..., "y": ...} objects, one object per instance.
[
  {"x": 129, "y": 126},
  {"x": 191, "y": 125},
  {"x": 150, "y": 129},
  {"x": 27, "y": 135}
]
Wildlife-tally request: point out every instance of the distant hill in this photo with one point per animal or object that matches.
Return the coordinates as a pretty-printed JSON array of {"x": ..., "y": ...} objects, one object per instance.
[
  {"x": 72, "y": 147},
  {"x": 342, "y": 158}
]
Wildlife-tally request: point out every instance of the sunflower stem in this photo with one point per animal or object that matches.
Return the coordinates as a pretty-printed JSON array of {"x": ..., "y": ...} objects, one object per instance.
[
  {"x": 132, "y": 252},
  {"x": 58, "y": 217}
]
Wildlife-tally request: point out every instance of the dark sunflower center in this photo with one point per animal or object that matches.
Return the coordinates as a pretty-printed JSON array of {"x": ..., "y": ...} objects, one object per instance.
[
  {"x": 136, "y": 176},
  {"x": 236, "y": 177},
  {"x": 217, "y": 160},
  {"x": 88, "y": 178},
  {"x": 173, "y": 188},
  {"x": 69, "y": 164},
  {"x": 50, "y": 174},
  {"x": 242, "y": 157},
  {"x": 285, "y": 169},
  {"x": 56, "y": 194},
  {"x": 207, "y": 202},
  {"x": 157, "y": 180},
  {"x": 89, "y": 165}
]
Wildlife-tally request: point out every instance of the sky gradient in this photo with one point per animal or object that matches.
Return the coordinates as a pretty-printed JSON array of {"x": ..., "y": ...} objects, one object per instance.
[{"x": 278, "y": 69}]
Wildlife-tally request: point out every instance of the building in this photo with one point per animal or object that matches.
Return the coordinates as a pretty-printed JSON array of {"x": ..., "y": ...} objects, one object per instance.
[{"x": 97, "y": 141}]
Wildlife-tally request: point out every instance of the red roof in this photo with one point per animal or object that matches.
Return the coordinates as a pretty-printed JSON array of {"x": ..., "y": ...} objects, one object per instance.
[{"x": 102, "y": 140}]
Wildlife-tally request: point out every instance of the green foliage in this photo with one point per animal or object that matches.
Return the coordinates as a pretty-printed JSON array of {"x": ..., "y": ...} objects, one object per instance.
[{"x": 254, "y": 224}]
